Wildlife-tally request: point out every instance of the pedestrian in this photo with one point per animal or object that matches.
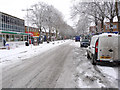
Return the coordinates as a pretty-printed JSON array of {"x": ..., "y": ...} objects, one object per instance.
[{"x": 4, "y": 42}]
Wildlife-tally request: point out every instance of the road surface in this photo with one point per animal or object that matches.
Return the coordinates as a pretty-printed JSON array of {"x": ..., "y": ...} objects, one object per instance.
[
  {"x": 64, "y": 66},
  {"x": 48, "y": 70}
]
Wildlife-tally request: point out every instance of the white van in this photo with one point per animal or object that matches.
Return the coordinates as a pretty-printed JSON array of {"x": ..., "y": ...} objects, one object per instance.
[{"x": 104, "y": 47}]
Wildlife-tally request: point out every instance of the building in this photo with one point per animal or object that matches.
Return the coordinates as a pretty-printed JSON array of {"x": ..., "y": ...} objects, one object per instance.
[
  {"x": 11, "y": 28},
  {"x": 106, "y": 28},
  {"x": 92, "y": 29},
  {"x": 34, "y": 31}
]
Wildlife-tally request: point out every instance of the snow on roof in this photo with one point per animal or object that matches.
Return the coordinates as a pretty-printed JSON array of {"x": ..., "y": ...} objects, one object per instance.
[{"x": 106, "y": 34}]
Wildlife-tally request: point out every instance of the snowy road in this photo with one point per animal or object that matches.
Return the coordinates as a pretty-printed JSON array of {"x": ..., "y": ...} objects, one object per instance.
[
  {"x": 64, "y": 66},
  {"x": 50, "y": 69}
]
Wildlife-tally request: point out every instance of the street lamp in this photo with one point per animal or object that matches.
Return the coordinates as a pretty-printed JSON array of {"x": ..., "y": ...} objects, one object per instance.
[{"x": 27, "y": 10}]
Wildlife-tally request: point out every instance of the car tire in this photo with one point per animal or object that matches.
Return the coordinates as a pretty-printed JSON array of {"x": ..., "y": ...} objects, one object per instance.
[
  {"x": 94, "y": 62},
  {"x": 88, "y": 56},
  {"x": 81, "y": 46}
]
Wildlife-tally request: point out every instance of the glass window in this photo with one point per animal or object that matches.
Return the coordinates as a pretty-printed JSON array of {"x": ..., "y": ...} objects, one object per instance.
[
  {"x": 114, "y": 26},
  {"x": 21, "y": 38},
  {"x": 1, "y": 40},
  {"x": 7, "y": 37},
  {"x": 0, "y": 37},
  {"x": 25, "y": 38},
  {"x": 17, "y": 38},
  {"x": 12, "y": 38},
  {"x": 0, "y": 25}
]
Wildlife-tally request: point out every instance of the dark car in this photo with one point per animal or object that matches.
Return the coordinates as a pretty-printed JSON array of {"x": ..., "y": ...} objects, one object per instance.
[{"x": 85, "y": 43}]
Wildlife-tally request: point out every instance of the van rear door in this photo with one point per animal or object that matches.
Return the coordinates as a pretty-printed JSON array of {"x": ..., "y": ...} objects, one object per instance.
[{"x": 108, "y": 48}]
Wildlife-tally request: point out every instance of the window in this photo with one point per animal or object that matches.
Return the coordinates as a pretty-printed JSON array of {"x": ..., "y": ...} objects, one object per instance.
[
  {"x": 1, "y": 40},
  {"x": 114, "y": 26},
  {"x": 7, "y": 37},
  {"x": 11, "y": 37},
  {"x": 0, "y": 24},
  {"x": 0, "y": 37}
]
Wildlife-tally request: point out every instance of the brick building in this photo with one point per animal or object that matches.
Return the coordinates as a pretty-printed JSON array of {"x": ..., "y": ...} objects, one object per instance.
[{"x": 92, "y": 29}]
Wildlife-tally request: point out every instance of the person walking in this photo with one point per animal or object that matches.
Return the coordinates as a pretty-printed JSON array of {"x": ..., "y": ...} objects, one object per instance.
[{"x": 4, "y": 42}]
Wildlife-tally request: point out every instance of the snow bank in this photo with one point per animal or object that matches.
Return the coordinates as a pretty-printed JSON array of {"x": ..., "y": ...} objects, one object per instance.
[{"x": 110, "y": 71}]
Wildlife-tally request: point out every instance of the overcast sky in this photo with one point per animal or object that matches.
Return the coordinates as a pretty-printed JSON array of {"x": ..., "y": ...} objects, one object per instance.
[{"x": 14, "y": 7}]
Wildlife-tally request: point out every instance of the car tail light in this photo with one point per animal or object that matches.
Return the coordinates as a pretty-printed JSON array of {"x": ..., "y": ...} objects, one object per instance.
[
  {"x": 109, "y": 35},
  {"x": 96, "y": 46}
]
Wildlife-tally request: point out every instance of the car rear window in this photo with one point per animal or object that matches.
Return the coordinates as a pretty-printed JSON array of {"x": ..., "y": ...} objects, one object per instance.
[{"x": 85, "y": 40}]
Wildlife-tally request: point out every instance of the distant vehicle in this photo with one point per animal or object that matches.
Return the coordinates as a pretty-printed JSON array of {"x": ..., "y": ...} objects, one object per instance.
[
  {"x": 104, "y": 48},
  {"x": 84, "y": 43},
  {"x": 77, "y": 38}
]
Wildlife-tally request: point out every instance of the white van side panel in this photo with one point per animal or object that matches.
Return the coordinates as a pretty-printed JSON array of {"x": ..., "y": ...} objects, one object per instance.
[
  {"x": 92, "y": 44},
  {"x": 108, "y": 43}
]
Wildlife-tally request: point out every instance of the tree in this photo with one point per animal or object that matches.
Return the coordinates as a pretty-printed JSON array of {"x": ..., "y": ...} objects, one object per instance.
[
  {"x": 110, "y": 13},
  {"x": 117, "y": 4},
  {"x": 97, "y": 11},
  {"x": 47, "y": 17},
  {"x": 82, "y": 25},
  {"x": 37, "y": 15},
  {"x": 83, "y": 20}
]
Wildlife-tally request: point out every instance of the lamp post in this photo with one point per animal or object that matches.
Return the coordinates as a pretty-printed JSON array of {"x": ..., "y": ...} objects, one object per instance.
[{"x": 27, "y": 10}]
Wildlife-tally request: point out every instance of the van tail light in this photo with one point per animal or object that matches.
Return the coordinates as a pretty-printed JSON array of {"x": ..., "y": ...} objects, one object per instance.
[{"x": 96, "y": 46}]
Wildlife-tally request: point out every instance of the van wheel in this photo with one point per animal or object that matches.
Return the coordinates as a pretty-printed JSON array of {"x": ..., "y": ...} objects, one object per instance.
[{"x": 94, "y": 60}]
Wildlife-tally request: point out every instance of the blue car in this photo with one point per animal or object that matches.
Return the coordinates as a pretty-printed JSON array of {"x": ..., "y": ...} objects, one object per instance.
[{"x": 77, "y": 38}]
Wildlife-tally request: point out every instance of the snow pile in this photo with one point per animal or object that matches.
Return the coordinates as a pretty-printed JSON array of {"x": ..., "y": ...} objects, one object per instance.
[
  {"x": 23, "y": 52},
  {"x": 110, "y": 71}
]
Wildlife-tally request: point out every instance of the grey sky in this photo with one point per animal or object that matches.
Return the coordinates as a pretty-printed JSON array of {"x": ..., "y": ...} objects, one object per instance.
[{"x": 14, "y": 7}]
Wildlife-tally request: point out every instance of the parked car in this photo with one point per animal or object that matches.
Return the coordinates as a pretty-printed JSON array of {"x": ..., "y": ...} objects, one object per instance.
[
  {"x": 84, "y": 43},
  {"x": 104, "y": 48},
  {"x": 77, "y": 38}
]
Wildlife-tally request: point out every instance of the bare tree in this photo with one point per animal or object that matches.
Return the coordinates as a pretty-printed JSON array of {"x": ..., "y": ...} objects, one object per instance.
[
  {"x": 110, "y": 13},
  {"x": 117, "y": 4},
  {"x": 97, "y": 11},
  {"x": 82, "y": 25},
  {"x": 47, "y": 17}
]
